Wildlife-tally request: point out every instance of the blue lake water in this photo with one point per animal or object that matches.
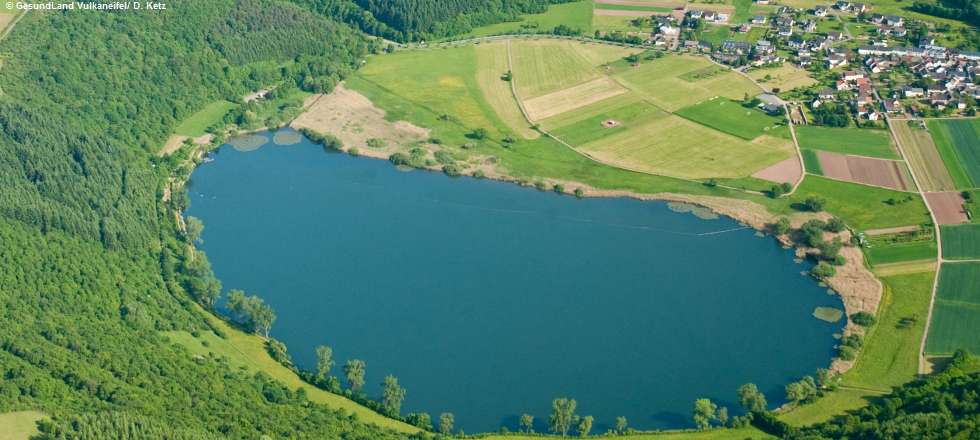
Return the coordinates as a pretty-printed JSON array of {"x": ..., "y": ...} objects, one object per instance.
[{"x": 488, "y": 300}]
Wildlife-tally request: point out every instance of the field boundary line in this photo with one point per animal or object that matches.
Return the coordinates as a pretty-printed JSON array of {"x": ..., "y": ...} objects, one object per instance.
[
  {"x": 939, "y": 248},
  {"x": 510, "y": 67}
]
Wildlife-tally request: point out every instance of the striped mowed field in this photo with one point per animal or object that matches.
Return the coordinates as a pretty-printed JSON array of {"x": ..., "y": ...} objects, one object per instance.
[
  {"x": 956, "y": 140},
  {"x": 956, "y": 316}
]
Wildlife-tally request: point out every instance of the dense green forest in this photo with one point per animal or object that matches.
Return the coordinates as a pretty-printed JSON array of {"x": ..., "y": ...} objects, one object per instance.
[
  {"x": 413, "y": 20},
  {"x": 92, "y": 266},
  {"x": 943, "y": 406},
  {"x": 964, "y": 10}
]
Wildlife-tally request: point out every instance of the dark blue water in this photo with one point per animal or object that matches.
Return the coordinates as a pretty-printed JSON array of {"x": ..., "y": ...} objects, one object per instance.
[{"x": 489, "y": 300}]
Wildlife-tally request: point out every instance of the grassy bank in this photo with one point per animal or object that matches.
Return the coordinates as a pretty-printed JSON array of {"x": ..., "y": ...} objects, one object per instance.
[{"x": 247, "y": 351}]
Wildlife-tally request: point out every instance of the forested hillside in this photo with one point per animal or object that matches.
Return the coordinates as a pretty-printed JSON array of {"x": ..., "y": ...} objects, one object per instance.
[
  {"x": 943, "y": 406},
  {"x": 92, "y": 266},
  {"x": 413, "y": 20}
]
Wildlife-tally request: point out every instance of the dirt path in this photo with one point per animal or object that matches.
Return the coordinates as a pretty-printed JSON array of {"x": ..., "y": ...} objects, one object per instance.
[
  {"x": 895, "y": 230},
  {"x": 923, "y": 364}
]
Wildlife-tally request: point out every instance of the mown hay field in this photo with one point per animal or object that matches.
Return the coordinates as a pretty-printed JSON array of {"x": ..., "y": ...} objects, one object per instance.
[
  {"x": 677, "y": 147},
  {"x": 662, "y": 81},
  {"x": 923, "y": 156},
  {"x": 492, "y": 65}
]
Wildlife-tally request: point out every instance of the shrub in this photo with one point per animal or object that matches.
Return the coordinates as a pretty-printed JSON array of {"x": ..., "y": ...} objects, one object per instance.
[
  {"x": 782, "y": 226},
  {"x": 814, "y": 203},
  {"x": 559, "y": 188},
  {"x": 835, "y": 225},
  {"x": 451, "y": 170},
  {"x": 864, "y": 319},
  {"x": 824, "y": 270}
]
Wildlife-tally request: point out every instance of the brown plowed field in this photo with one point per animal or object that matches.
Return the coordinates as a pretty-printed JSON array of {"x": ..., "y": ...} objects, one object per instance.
[
  {"x": 870, "y": 171},
  {"x": 788, "y": 171},
  {"x": 948, "y": 207}
]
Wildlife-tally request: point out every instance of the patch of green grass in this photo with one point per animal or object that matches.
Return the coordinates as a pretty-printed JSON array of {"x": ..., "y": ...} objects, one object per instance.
[
  {"x": 19, "y": 425},
  {"x": 248, "y": 351},
  {"x": 856, "y": 141},
  {"x": 811, "y": 162},
  {"x": 959, "y": 151},
  {"x": 576, "y": 15},
  {"x": 961, "y": 242},
  {"x": 591, "y": 129},
  {"x": 832, "y": 404},
  {"x": 899, "y": 252},
  {"x": 743, "y": 11},
  {"x": 198, "y": 123},
  {"x": 650, "y": 8},
  {"x": 747, "y": 183},
  {"x": 731, "y": 117},
  {"x": 890, "y": 355},
  {"x": 714, "y": 35},
  {"x": 864, "y": 207}
]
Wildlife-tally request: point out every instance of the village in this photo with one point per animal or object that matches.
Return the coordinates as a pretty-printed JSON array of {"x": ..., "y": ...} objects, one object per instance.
[{"x": 894, "y": 67}]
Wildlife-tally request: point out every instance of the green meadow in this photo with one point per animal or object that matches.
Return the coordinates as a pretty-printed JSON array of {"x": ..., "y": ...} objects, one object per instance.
[
  {"x": 856, "y": 141},
  {"x": 864, "y": 207},
  {"x": 198, "y": 123},
  {"x": 731, "y": 117}
]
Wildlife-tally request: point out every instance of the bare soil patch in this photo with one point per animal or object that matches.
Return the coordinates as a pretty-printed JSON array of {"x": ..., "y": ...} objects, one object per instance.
[
  {"x": 895, "y": 230},
  {"x": 948, "y": 207},
  {"x": 867, "y": 170},
  {"x": 353, "y": 119},
  {"x": 787, "y": 171},
  {"x": 610, "y": 123},
  {"x": 176, "y": 141}
]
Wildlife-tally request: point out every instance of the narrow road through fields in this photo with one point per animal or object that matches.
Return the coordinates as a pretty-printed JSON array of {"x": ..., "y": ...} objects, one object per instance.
[{"x": 939, "y": 245}]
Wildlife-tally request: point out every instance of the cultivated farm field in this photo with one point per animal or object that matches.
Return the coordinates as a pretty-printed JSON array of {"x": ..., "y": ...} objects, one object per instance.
[
  {"x": 961, "y": 242},
  {"x": 956, "y": 318},
  {"x": 923, "y": 156},
  {"x": 957, "y": 143},
  {"x": 854, "y": 141}
]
